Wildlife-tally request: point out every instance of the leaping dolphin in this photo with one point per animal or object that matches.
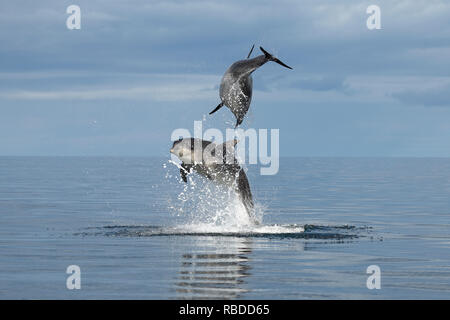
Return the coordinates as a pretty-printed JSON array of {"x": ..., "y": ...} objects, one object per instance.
[
  {"x": 237, "y": 84},
  {"x": 213, "y": 162}
]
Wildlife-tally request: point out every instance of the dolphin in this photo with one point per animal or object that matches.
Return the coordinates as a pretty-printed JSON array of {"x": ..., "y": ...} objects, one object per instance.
[
  {"x": 217, "y": 163},
  {"x": 237, "y": 84}
]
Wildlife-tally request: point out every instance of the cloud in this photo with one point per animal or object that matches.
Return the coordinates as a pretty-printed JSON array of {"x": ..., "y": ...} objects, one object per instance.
[
  {"x": 181, "y": 92},
  {"x": 435, "y": 97},
  {"x": 197, "y": 36},
  {"x": 138, "y": 61},
  {"x": 153, "y": 87},
  {"x": 400, "y": 88},
  {"x": 85, "y": 85},
  {"x": 321, "y": 83}
]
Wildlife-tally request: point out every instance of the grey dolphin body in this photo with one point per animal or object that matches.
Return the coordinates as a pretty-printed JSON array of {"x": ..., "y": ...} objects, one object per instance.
[
  {"x": 213, "y": 162},
  {"x": 237, "y": 84}
]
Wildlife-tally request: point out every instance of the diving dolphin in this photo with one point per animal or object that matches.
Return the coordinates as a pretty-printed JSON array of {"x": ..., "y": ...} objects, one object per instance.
[
  {"x": 217, "y": 163},
  {"x": 237, "y": 84}
]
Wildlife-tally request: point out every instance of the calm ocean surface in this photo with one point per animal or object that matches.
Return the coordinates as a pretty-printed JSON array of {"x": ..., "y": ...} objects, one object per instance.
[{"x": 136, "y": 232}]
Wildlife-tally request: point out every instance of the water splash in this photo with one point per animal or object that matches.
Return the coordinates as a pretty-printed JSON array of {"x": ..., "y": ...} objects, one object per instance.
[
  {"x": 205, "y": 206},
  {"x": 201, "y": 207}
]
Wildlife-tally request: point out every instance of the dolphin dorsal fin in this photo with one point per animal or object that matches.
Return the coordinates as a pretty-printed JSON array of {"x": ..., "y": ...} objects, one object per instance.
[
  {"x": 230, "y": 143},
  {"x": 228, "y": 150},
  {"x": 251, "y": 50}
]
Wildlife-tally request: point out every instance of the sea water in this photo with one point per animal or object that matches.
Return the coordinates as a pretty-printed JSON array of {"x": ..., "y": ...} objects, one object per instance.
[{"x": 137, "y": 232}]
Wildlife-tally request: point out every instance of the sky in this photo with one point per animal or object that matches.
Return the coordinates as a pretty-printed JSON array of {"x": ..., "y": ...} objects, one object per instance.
[{"x": 139, "y": 69}]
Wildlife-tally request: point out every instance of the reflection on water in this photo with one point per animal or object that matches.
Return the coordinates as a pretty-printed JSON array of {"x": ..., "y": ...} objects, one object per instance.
[
  {"x": 219, "y": 265},
  {"x": 216, "y": 272}
]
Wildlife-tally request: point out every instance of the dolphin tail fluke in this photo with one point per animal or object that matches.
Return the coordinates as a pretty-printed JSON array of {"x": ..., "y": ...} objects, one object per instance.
[
  {"x": 243, "y": 188},
  {"x": 268, "y": 55},
  {"x": 272, "y": 58},
  {"x": 217, "y": 108},
  {"x": 251, "y": 50}
]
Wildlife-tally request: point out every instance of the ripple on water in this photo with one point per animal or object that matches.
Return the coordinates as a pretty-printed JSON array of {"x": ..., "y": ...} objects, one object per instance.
[{"x": 260, "y": 231}]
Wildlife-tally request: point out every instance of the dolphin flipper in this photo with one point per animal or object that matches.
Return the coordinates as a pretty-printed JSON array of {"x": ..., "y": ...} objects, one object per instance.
[
  {"x": 217, "y": 108},
  {"x": 184, "y": 171}
]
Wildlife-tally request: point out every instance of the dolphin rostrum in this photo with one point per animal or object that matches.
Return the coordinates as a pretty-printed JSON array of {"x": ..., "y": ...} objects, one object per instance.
[
  {"x": 217, "y": 163},
  {"x": 237, "y": 84}
]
